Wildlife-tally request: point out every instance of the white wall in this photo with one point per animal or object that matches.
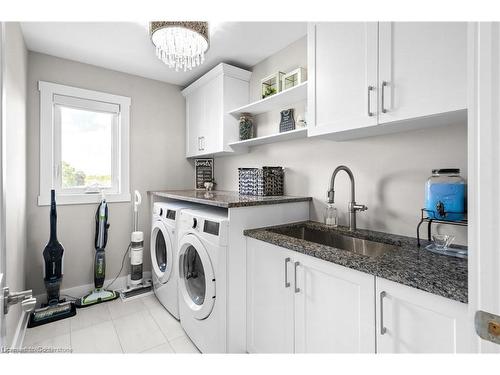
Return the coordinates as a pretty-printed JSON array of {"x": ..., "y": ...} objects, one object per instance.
[
  {"x": 390, "y": 171},
  {"x": 157, "y": 148},
  {"x": 16, "y": 66}
]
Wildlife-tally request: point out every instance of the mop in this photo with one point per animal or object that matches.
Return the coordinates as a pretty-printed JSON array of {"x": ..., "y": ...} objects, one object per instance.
[{"x": 99, "y": 294}]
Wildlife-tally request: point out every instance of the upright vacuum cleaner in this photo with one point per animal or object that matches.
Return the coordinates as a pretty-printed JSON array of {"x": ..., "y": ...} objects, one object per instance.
[
  {"x": 55, "y": 308},
  {"x": 99, "y": 294},
  {"x": 136, "y": 284}
]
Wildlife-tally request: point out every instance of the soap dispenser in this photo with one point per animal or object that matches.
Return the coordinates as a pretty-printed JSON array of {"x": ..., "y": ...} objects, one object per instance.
[{"x": 331, "y": 217}]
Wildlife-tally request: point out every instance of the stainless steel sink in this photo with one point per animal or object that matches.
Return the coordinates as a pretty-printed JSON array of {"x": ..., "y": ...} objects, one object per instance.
[{"x": 336, "y": 240}]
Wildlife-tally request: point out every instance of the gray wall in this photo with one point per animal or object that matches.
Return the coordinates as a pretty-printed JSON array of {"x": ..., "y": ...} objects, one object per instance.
[
  {"x": 16, "y": 66},
  {"x": 157, "y": 148},
  {"x": 390, "y": 170}
]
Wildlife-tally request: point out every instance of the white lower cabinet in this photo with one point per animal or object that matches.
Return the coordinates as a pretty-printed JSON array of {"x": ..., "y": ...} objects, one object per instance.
[
  {"x": 297, "y": 303},
  {"x": 334, "y": 308},
  {"x": 300, "y": 304},
  {"x": 413, "y": 321},
  {"x": 269, "y": 300}
]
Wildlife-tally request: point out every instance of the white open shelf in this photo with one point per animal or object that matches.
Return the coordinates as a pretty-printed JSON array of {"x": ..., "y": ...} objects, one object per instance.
[
  {"x": 285, "y": 136},
  {"x": 274, "y": 102}
]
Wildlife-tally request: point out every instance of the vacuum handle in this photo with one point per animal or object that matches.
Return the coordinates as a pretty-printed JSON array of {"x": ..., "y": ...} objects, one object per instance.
[
  {"x": 137, "y": 203},
  {"x": 137, "y": 200},
  {"x": 53, "y": 217}
]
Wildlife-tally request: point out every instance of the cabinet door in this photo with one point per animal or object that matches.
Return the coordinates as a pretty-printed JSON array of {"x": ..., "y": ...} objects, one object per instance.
[
  {"x": 342, "y": 64},
  {"x": 194, "y": 121},
  {"x": 424, "y": 67},
  {"x": 414, "y": 321},
  {"x": 269, "y": 298},
  {"x": 334, "y": 308},
  {"x": 213, "y": 119}
]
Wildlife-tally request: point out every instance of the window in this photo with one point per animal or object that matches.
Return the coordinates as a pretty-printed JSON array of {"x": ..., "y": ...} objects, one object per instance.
[{"x": 84, "y": 147}]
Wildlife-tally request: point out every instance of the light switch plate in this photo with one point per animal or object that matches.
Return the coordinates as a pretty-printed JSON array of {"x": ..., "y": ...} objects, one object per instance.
[{"x": 487, "y": 326}]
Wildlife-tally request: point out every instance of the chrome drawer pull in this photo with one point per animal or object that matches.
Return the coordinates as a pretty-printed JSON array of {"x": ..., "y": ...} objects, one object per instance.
[
  {"x": 384, "y": 85},
  {"x": 383, "y": 330},
  {"x": 287, "y": 283},
  {"x": 370, "y": 113},
  {"x": 297, "y": 290}
]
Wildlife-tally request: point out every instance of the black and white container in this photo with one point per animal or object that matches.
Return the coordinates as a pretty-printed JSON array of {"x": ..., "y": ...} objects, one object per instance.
[{"x": 265, "y": 181}]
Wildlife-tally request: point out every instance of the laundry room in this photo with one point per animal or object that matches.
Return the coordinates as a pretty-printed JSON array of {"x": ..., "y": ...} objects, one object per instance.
[{"x": 249, "y": 186}]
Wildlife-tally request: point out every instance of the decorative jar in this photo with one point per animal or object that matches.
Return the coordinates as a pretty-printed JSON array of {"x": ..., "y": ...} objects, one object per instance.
[{"x": 246, "y": 127}]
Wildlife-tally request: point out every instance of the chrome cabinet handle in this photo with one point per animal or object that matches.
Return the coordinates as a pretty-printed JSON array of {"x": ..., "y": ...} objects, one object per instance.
[
  {"x": 384, "y": 85},
  {"x": 383, "y": 330},
  {"x": 201, "y": 145},
  {"x": 297, "y": 290},
  {"x": 287, "y": 283},
  {"x": 370, "y": 113}
]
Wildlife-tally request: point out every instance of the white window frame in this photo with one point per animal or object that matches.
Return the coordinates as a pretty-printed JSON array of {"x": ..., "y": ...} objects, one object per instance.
[{"x": 52, "y": 96}]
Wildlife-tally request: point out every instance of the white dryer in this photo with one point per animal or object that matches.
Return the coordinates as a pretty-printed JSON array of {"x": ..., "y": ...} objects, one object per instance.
[
  {"x": 203, "y": 241},
  {"x": 164, "y": 254}
]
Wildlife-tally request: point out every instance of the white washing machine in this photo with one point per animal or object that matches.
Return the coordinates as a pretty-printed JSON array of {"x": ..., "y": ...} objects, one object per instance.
[
  {"x": 164, "y": 254},
  {"x": 203, "y": 240}
]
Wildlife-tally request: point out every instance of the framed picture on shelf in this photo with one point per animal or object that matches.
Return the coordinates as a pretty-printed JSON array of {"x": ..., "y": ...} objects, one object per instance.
[
  {"x": 287, "y": 122},
  {"x": 204, "y": 172}
]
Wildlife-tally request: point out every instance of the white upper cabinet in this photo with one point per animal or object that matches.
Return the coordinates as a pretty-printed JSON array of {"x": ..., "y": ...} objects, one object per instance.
[
  {"x": 368, "y": 78},
  {"x": 413, "y": 321},
  {"x": 422, "y": 69},
  {"x": 342, "y": 63},
  {"x": 209, "y": 128}
]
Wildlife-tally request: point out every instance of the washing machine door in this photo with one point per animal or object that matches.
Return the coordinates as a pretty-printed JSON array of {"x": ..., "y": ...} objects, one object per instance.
[
  {"x": 162, "y": 257},
  {"x": 197, "y": 277}
]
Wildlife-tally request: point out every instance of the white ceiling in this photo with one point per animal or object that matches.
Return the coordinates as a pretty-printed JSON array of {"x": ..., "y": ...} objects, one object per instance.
[{"x": 126, "y": 46}]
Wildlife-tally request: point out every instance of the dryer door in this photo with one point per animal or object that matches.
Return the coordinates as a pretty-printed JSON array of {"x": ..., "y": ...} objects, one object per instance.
[
  {"x": 197, "y": 277},
  {"x": 162, "y": 257}
]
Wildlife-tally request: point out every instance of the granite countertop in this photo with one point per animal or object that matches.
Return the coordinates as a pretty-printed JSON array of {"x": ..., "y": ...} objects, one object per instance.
[
  {"x": 408, "y": 264},
  {"x": 226, "y": 199}
]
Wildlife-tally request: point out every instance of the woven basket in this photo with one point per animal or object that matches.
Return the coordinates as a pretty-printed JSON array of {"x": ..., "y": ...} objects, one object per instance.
[{"x": 265, "y": 181}]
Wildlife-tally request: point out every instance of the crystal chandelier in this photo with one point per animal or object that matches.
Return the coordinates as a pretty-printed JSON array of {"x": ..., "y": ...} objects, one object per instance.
[{"x": 180, "y": 45}]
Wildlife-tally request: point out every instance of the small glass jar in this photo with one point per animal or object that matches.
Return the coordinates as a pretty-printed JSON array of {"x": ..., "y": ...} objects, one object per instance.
[
  {"x": 246, "y": 126},
  {"x": 445, "y": 194},
  {"x": 331, "y": 217}
]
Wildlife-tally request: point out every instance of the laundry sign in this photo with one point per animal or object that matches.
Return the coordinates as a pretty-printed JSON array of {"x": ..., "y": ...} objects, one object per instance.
[{"x": 204, "y": 172}]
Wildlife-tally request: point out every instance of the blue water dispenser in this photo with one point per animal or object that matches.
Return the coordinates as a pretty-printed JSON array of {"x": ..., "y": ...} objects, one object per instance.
[{"x": 445, "y": 195}]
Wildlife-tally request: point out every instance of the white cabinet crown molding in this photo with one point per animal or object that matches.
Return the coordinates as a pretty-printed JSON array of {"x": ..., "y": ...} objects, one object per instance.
[{"x": 222, "y": 68}]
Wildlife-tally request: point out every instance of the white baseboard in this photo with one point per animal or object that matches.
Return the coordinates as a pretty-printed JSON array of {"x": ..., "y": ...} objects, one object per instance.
[{"x": 81, "y": 290}]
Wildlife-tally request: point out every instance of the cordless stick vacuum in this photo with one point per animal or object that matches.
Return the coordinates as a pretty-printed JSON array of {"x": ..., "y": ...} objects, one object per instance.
[
  {"x": 55, "y": 308},
  {"x": 99, "y": 294},
  {"x": 136, "y": 285}
]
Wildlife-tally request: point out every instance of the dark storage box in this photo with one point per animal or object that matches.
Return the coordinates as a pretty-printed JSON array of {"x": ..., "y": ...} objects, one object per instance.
[{"x": 261, "y": 181}]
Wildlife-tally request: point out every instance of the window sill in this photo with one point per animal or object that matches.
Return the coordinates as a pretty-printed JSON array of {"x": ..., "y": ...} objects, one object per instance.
[{"x": 67, "y": 199}]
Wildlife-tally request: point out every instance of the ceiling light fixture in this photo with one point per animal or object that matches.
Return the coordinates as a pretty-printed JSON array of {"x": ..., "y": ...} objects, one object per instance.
[{"x": 179, "y": 44}]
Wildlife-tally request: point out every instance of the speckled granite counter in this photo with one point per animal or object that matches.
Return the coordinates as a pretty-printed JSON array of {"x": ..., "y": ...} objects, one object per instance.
[
  {"x": 225, "y": 199},
  {"x": 408, "y": 264}
]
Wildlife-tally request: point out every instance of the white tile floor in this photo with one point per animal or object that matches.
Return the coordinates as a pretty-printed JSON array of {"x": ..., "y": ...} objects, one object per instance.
[{"x": 138, "y": 326}]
